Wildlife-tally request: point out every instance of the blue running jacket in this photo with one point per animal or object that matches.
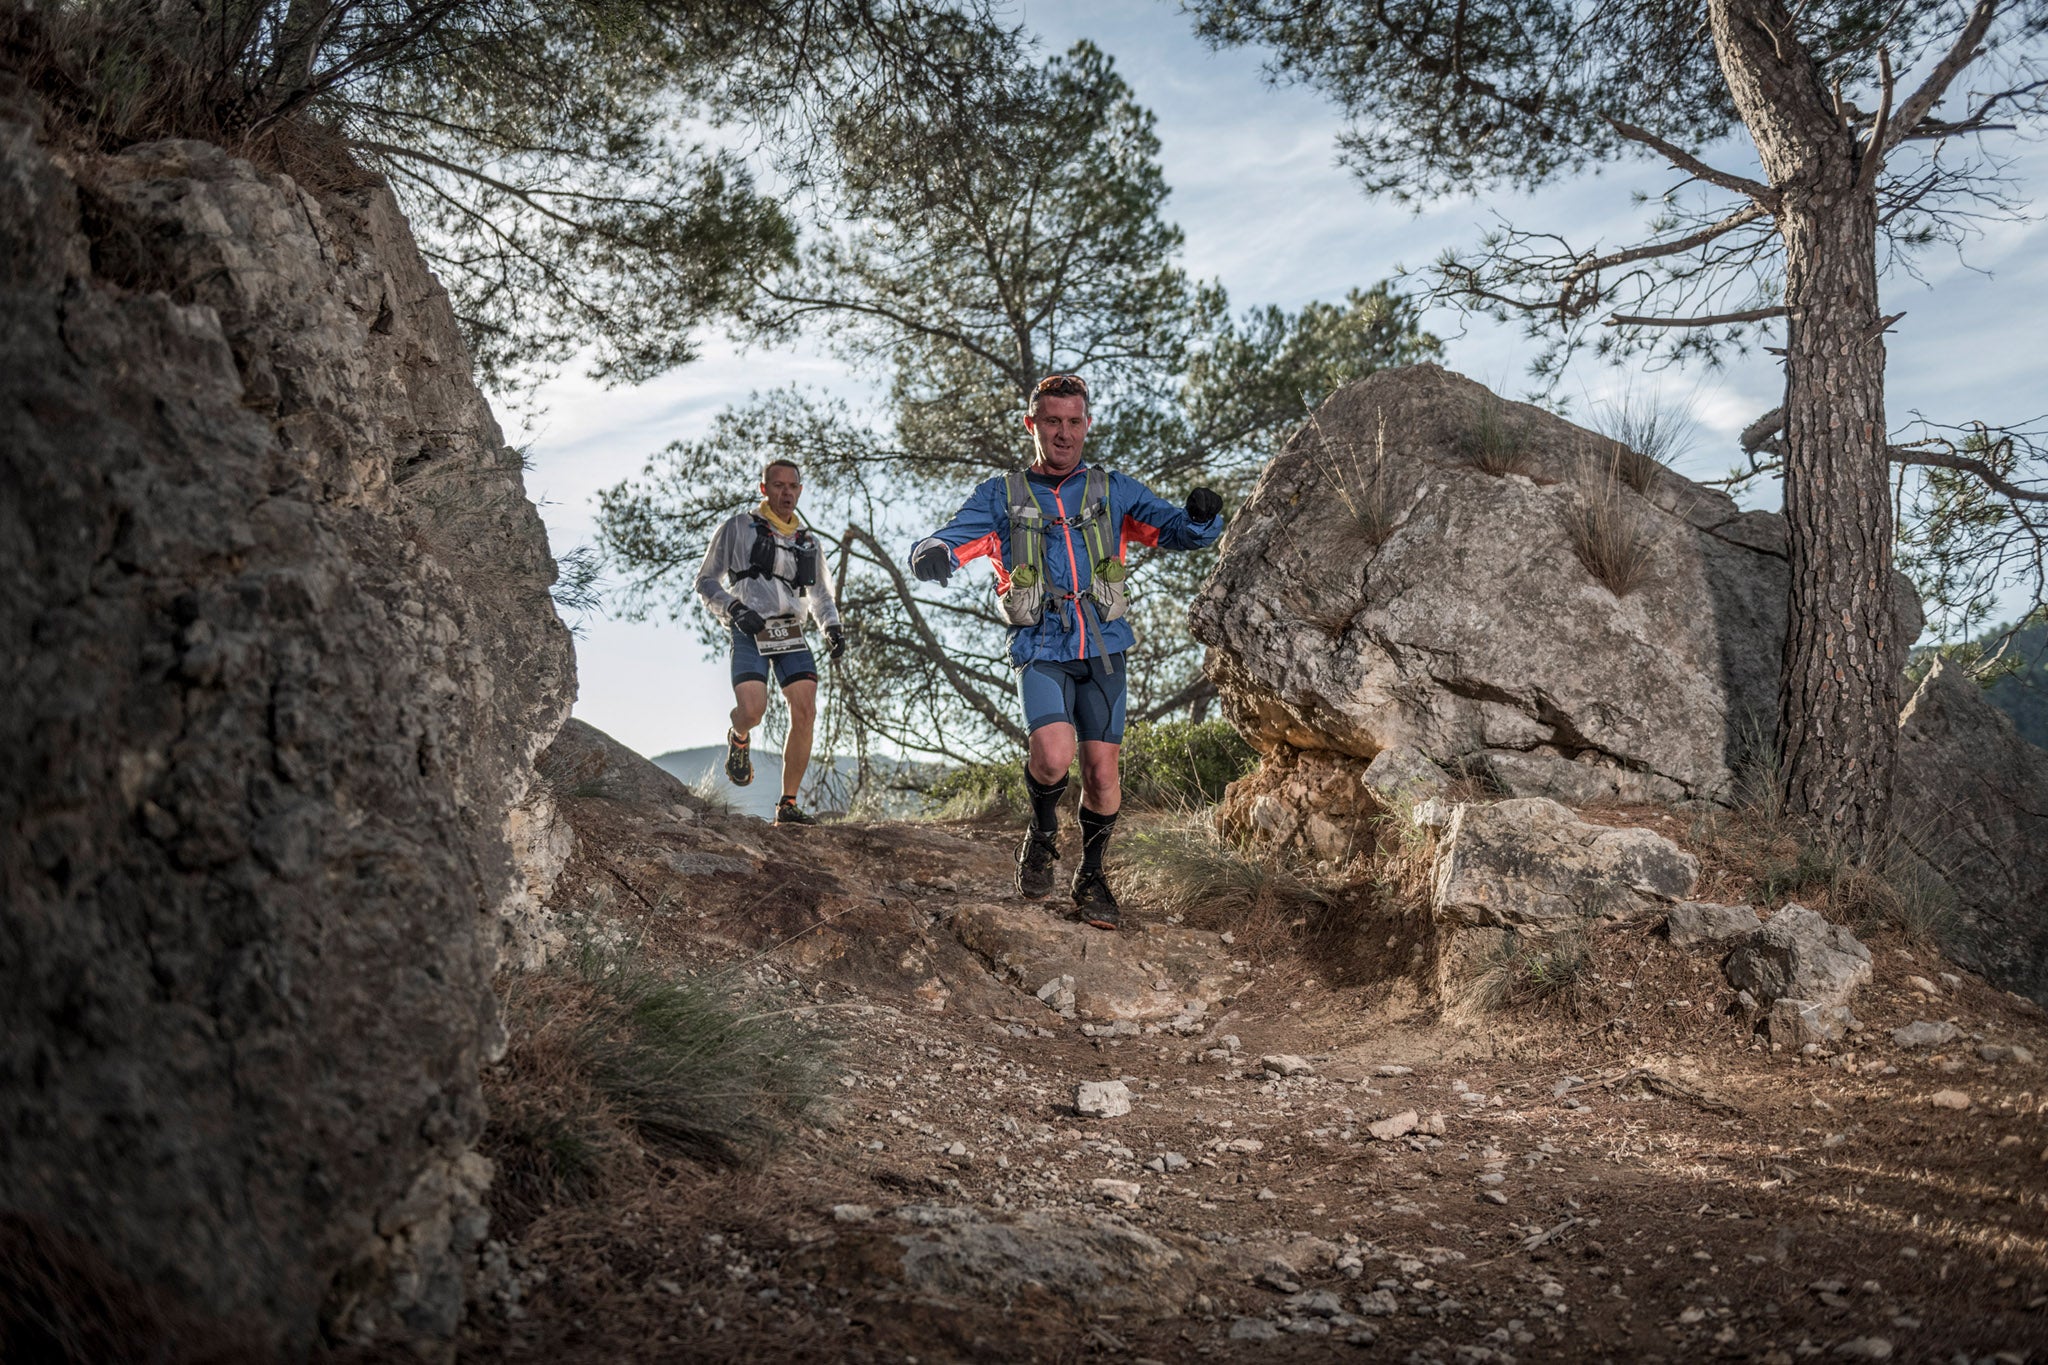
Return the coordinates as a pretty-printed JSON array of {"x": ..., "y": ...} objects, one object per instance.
[{"x": 981, "y": 528}]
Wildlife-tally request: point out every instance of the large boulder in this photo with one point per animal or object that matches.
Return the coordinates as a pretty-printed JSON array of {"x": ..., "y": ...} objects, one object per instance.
[
  {"x": 1798, "y": 955},
  {"x": 1381, "y": 588},
  {"x": 1972, "y": 802},
  {"x": 279, "y": 654}
]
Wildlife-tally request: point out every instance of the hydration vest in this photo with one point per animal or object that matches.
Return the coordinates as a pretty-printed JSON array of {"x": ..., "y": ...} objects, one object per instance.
[
  {"x": 1025, "y": 602},
  {"x": 761, "y": 559}
]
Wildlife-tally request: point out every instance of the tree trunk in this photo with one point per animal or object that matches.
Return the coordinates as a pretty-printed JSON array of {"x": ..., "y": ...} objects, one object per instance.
[{"x": 1839, "y": 694}]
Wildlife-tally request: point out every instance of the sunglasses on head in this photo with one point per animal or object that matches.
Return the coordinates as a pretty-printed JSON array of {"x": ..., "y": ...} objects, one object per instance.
[{"x": 1061, "y": 386}]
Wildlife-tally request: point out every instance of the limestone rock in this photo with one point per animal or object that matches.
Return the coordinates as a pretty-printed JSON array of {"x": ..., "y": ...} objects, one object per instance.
[
  {"x": 1472, "y": 631},
  {"x": 1396, "y": 1126},
  {"x": 279, "y": 657},
  {"x": 1796, "y": 1023},
  {"x": 1402, "y": 775},
  {"x": 1801, "y": 955},
  {"x": 1125, "y": 1193},
  {"x": 1286, "y": 1064},
  {"x": 1972, "y": 800},
  {"x": 1102, "y": 1099},
  {"x": 1949, "y": 1099},
  {"x": 1092, "y": 1263},
  {"x": 1532, "y": 864},
  {"x": 1699, "y": 924},
  {"x": 1153, "y": 974},
  {"x": 1921, "y": 1033}
]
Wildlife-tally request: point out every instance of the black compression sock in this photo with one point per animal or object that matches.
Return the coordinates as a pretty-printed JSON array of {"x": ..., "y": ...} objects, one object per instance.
[
  {"x": 1094, "y": 838},
  {"x": 1045, "y": 802}
]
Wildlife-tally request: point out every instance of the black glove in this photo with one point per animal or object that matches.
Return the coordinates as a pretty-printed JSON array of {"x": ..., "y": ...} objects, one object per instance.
[
  {"x": 1203, "y": 504},
  {"x": 933, "y": 563},
  {"x": 835, "y": 642},
  {"x": 746, "y": 620}
]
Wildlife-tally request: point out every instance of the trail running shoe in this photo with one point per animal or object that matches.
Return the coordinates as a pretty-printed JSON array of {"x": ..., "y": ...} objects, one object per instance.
[
  {"x": 739, "y": 759},
  {"x": 1035, "y": 862},
  {"x": 1093, "y": 903},
  {"x": 787, "y": 812}
]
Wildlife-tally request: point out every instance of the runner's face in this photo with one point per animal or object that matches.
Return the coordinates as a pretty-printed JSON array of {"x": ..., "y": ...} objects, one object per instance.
[
  {"x": 1057, "y": 431},
  {"x": 780, "y": 488}
]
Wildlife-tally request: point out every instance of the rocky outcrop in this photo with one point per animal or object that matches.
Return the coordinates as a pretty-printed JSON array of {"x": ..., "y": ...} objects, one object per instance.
[
  {"x": 279, "y": 656},
  {"x": 1972, "y": 801},
  {"x": 1531, "y": 865},
  {"x": 1381, "y": 588},
  {"x": 1155, "y": 973}
]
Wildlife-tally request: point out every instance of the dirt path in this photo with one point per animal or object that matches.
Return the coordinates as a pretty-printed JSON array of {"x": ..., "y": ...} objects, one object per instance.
[{"x": 1629, "y": 1180}]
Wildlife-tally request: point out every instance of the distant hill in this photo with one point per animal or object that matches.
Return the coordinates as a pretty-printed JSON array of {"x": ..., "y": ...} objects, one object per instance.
[
  {"x": 704, "y": 769},
  {"x": 2024, "y": 695}
]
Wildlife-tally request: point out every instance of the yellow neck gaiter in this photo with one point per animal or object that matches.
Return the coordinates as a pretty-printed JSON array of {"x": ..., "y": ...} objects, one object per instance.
[{"x": 782, "y": 527}]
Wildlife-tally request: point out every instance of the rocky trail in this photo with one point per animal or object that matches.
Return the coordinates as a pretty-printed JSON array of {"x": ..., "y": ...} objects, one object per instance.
[{"x": 1057, "y": 1145}]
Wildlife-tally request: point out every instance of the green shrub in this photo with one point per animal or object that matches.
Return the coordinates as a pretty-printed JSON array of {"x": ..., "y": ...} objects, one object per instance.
[
  {"x": 1183, "y": 762},
  {"x": 1166, "y": 764}
]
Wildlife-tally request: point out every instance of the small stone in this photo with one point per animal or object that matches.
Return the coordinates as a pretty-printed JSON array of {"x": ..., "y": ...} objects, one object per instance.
[
  {"x": 1951, "y": 980},
  {"x": 1267, "y": 1196},
  {"x": 1245, "y": 1146},
  {"x": 1865, "y": 1348},
  {"x": 1493, "y": 1196},
  {"x": 1320, "y": 1303},
  {"x": 1174, "y": 1161},
  {"x": 1434, "y": 1126},
  {"x": 1393, "y": 1069},
  {"x": 1102, "y": 1099},
  {"x": 1923, "y": 985},
  {"x": 1692, "y": 1315},
  {"x": 1278, "y": 1277},
  {"x": 1378, "y": 1304},
  {"x": 2006, "y": 1052},
  {"x": 956, "y": 1149},
  {"x": 1124, "y": 1192},
  {"x": 1229, "y": 1040},
  {"x": 852, "y": 1213},
  {"x": 1922, "y": 1033},
  {"x": 1253, "y": 1329},
  {"x": 1286, "y": 1064},
  {"x": 1949, "y": 1099},
  {"x": 1399, "y": 1126}
]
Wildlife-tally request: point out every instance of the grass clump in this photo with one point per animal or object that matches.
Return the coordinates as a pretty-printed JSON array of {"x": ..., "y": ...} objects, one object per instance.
[
  {"x": 1495, "y": 442},
  {"x": 1516, "y": 973},
  {"x": 1606, "y": 527},
  {"x": 614, "y": 1059},
  {"x": 1361, "y": 480},
  {"x": 1647, "y": 436},
  {"x": 1771, "y": 855},
  {"x": 1181, "y": 866}
]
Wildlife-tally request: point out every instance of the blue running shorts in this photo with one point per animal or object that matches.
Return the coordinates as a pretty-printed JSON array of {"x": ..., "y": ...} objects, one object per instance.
[
  {"x": 1083, "y": 693},
  {"x": 748, "y": 664}
]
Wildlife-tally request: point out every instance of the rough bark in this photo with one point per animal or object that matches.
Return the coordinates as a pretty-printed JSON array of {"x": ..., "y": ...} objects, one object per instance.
[{"x": 1839, "y": 690}]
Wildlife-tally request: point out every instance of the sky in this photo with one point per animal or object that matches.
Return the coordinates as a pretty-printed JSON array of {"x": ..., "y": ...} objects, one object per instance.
[{"x": 1268, "y": 212}]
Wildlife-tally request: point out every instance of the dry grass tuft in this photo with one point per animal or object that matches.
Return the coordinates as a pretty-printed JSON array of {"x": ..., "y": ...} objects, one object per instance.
[
  {"x": 1648, "y": 435},
  {"x": 1362, "y": 481},
  {"x": 611, "y": 1056},
  {"x": 1180, "y": 865},
  {"x": 1606, "y": 526},
  {"x": 1762, "y": 853},
  {"x": 62, "y": 1303},
  {"x": 1497, "y": 443},
  {"x": 1518, "y": 974}
]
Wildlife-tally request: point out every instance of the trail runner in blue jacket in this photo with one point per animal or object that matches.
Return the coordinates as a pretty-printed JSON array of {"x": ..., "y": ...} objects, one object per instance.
[{"x": 1056, "y": 534}]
